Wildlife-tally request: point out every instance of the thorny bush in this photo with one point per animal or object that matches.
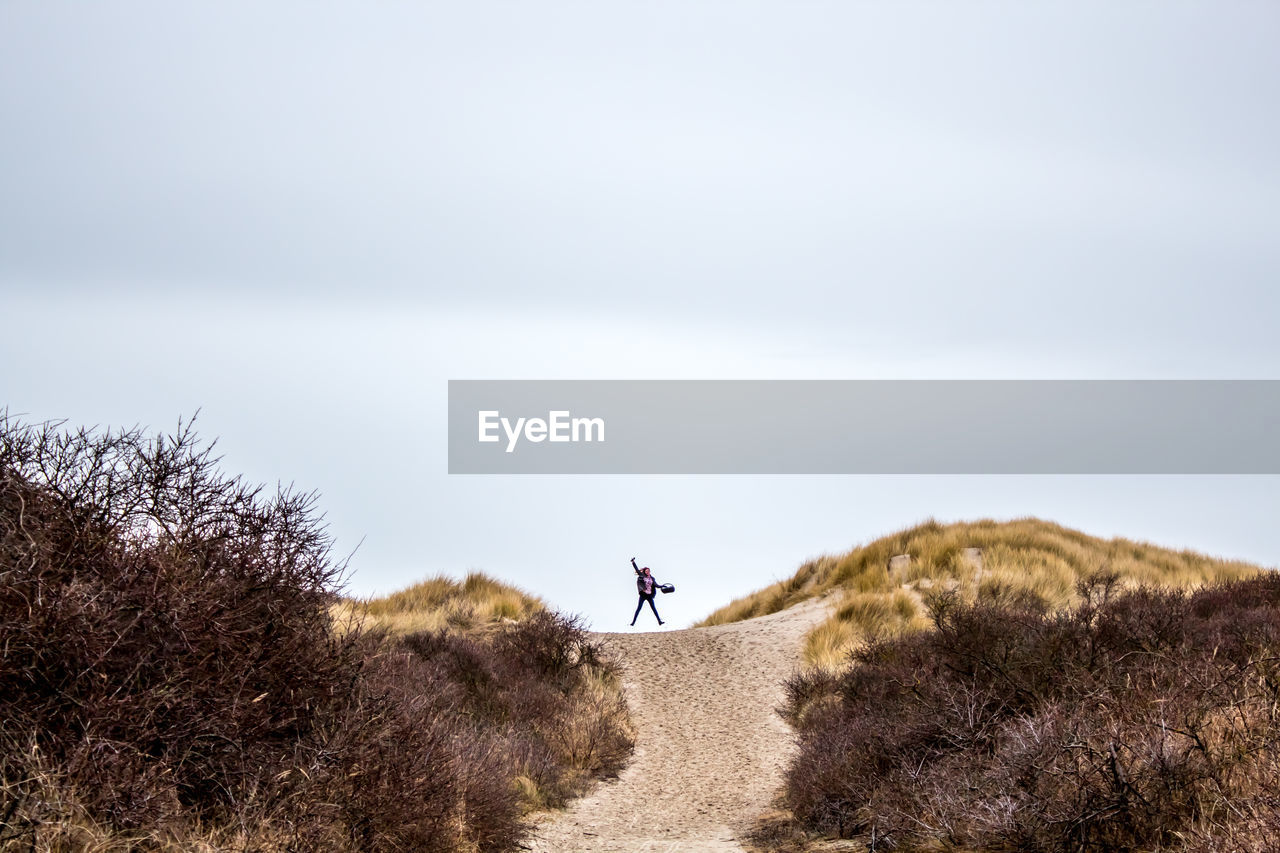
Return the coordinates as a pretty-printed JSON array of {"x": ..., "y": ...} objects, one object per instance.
[
  {"x": 169, "y": 667},
  {"x": 1144, "y": 720}
]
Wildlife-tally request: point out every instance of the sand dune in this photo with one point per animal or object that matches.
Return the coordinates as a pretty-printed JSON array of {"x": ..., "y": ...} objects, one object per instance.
[{"x": 710, "y": 750}]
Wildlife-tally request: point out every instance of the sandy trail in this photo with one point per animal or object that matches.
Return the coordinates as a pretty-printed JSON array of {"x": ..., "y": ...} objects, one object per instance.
[{"x": 710, "y": 749}]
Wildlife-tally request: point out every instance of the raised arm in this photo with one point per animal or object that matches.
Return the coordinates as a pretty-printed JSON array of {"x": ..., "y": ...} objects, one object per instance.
[{"x": 634, "y": 566}]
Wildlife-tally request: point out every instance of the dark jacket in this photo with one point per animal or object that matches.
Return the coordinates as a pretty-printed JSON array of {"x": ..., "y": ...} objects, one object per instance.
[{"x": 640, "y": 579}]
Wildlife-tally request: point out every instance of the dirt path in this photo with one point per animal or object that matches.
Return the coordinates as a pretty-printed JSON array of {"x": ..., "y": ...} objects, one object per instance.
[{"x": 710, "y": 751}]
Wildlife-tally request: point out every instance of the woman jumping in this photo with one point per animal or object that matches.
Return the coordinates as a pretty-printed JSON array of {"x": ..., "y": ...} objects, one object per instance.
[{"x": 647, "y": 584}]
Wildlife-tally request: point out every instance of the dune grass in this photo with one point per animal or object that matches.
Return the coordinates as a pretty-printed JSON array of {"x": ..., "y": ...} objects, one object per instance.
[
  {"x": 1027, "y": 560},
  {"x": 440, "y": 603}
]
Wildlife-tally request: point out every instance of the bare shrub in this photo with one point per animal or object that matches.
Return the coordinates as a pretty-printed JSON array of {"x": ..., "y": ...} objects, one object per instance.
[
  {"x": 170, "y": 676},
  {"x": 1142, "y": 720},
  {"x": 543, "y": 688},
  {"x": 165, "y": 627}
]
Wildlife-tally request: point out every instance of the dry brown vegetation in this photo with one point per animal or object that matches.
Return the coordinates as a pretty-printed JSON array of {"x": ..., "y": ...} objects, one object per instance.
[
  {"x": 1024, "y": 687},
  {"x": 170, "y": 676},
  {"x": 1029, "y": 560},
  {"x": 1143, "y": 720}
]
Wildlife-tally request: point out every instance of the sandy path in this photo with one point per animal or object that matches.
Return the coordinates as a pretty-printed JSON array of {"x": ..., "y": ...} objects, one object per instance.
[{"x": 710, "y": 750}]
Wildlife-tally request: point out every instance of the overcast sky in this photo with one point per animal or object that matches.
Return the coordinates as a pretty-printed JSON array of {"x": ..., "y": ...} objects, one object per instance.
[{"x": 303, "y": 219}]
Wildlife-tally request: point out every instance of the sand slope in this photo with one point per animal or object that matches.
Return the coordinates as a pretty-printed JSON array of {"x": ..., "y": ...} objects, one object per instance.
[{"x": 710, "y": 749}]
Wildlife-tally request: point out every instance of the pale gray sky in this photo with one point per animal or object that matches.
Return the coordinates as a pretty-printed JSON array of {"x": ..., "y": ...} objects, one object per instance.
[{"x": 305, "y": 218}]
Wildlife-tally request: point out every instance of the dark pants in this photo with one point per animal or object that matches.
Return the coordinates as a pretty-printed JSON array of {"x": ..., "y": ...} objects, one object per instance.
[{"x": 640, "y": 604}]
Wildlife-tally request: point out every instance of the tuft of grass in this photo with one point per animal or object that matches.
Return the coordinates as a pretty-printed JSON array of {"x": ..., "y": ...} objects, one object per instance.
[
  {"x": 440, "y": 604},
  {"x": 804, "y": 584},
  {"x": 1027, "y": 561}
]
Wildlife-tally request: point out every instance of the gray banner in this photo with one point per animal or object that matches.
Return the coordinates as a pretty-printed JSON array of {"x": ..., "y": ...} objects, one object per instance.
[{"x": 864, "y": 427}]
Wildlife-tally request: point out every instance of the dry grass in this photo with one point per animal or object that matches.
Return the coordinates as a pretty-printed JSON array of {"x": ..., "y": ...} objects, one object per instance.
[
  {"x": 1028, "y": 560},
  {"x": 440, "y": 604}
]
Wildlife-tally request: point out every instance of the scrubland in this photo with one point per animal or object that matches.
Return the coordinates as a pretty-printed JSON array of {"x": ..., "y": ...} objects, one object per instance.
[
  {"x": 1021, "y": 686},
  {"x": 178, "y": 672}
]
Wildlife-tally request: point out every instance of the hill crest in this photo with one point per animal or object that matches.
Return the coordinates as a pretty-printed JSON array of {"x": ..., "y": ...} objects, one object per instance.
[{"x": 880, "y": 588}]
